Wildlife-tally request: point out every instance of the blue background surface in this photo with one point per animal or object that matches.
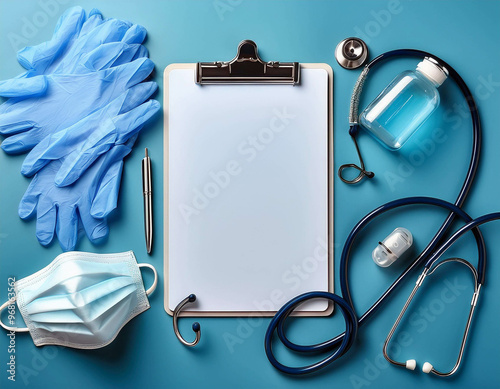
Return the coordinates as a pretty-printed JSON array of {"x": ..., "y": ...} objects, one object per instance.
[{"x": 231, "y": 354}]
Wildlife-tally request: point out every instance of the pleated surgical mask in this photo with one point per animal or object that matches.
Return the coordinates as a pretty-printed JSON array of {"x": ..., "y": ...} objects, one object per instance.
[{"x": 81, "y": 300}]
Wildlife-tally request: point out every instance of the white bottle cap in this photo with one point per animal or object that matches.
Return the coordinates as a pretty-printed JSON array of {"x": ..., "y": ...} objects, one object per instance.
[{"x": 434, "y": 72}]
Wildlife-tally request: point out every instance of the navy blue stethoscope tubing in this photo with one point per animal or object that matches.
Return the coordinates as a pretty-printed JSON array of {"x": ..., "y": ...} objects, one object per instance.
[
  {"x": 344, "y": 262},
  {"x": 277, "y": 321},
  {"x": 328, "y": 345},
  {"x": 471, "y": 171},
  {"x": 456, "y": 210},
  {"x": 346, "y": 304},
  {"x": 462, "y": 230},
  {"x": 347, "y": 311},
  {"x": 467, "y": 184}
]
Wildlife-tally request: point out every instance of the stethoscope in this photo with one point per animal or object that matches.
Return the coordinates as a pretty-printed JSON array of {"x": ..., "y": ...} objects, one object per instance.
[{"x": 340, "y": 344}]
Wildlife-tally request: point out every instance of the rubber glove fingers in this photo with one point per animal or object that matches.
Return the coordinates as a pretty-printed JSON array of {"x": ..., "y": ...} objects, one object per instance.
[
  {"x": 130, "y": 122},
  {"x": 135, "y": 34},
  {"x": 97, "y": 45},
  {"x": 46, "y": 220},
  {"x": 35, "y": 201},
  {"x": 60, "y": 144},
  {"x": 95, "y": 229},
  {"x": 79, "y": 95},
  {"x": 112, "y": 54},
  {"x": 58, "y": 210},
  {"x": 66, "y": 227},
  {"x": 142, "y": 52},
  {"x": 71, "y": 42},
  {"x": 111, "y": 30},
  {"x": 106, "y": 199},
  {"x": 29, "y": 202},
  {"x": 94, "y": 19},
  {"x": 24, "y": 86},
  {"x": 37, "y": 58},
  {"x": 133, "y": 97},
  {"x": 110, "y": 132},
  {"x": 129, "y": 74}
]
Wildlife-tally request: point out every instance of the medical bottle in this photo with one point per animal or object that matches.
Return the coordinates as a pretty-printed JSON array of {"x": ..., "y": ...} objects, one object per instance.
[{"x": 405, "y": 104}]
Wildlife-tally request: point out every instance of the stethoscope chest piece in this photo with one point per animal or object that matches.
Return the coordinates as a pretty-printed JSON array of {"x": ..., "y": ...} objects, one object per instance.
[{"x": 351, "y": 53}]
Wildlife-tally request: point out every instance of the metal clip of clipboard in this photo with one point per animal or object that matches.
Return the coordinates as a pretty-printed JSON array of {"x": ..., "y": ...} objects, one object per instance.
[{"x": 247, "y": 68}]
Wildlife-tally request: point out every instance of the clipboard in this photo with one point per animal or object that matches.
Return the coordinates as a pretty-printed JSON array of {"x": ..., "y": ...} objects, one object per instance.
[{"x": 248, "y": 185}]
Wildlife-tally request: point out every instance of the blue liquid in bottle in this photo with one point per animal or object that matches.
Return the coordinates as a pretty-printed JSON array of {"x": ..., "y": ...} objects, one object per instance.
[{"x": 404, "y": 105}]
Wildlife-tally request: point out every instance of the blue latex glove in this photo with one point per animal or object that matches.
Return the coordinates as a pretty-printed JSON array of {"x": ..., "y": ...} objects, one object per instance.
[
  {"x": 109, "y": 33},
  {"x": 58, "y": 210},
  {"x": 106, "y": 198},
  {"x": 76, "y": 47},
  {"x": 68, "y": 27},
  {"x": 103, "y": 137},
  {"x": 69, "y": 98},
  {"x": 82, "y": 143},
  {"x": 105, "y": 34},
  {"x": 72, "y": 25}
]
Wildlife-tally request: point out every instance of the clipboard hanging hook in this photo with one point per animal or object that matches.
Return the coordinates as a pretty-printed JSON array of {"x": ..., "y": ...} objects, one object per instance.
[
  {"x": 247, "y": 68},
  {"x": 247, "y": 51},
  {"x": 196, "y": 326}
]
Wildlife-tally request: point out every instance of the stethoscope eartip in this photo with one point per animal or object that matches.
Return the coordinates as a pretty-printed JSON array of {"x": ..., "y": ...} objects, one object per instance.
[
  {"x": 427, "y": 367},
  {"x": 411, "y": 364}
]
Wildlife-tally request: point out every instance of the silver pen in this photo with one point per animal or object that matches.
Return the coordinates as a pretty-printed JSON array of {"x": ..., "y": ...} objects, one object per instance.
[{"x": 147, "y": 188}]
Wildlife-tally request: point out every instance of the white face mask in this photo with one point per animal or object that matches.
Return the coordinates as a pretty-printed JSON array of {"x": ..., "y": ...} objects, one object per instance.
[{"x": 81, "y": 300}]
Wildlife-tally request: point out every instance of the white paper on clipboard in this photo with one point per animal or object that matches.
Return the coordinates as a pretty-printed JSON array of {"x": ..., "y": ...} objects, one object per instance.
[{"x": 248, "y": 193}]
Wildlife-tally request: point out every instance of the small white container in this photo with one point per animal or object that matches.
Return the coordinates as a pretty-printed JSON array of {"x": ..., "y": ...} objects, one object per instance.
[{"x": 392, "y": 247}]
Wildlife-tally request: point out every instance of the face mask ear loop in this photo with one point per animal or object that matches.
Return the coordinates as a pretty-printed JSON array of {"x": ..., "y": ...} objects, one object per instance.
[
  {"x": 14, "y": 329},
  {"x": 155, "y": 282}
]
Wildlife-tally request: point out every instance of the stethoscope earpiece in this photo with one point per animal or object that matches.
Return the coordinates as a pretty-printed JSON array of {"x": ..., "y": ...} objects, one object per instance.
[
  {"x": 411, "y": 364},
  {"x": 428, "y": 270},
  {"x": 427, "y": 368}
]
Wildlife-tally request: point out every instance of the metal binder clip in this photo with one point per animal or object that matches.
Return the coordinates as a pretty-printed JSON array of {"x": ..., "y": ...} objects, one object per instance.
[{"x": 247, "y": 68}]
